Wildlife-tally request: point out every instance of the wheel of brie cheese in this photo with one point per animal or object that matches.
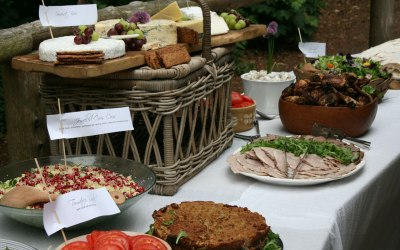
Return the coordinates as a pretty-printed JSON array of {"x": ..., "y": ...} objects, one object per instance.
[{"x": 48, "y": 49}]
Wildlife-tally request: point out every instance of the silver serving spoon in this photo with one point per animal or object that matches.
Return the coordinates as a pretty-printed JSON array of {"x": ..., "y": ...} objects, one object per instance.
[{"x": 265, "y": 116}]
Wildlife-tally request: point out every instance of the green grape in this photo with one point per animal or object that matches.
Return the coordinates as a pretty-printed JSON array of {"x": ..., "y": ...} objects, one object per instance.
[
  {"x": 232, "y": 16},
  {"x": 232, "y": 22},
  {"x": 238, "y": 26},
  {"x": 132, "y": 26},
  {"x": 124, "y": 23},
  {"x": 82, "y": 28},
  {"x": 95, "y": 36},
  {"x": 242, "y": 24},
  {"x": 224, "y": 14},
  {"x": 140, "y": 33},
  {"x": 185, "y": 18},
  {"x": 130, "y": 32}
]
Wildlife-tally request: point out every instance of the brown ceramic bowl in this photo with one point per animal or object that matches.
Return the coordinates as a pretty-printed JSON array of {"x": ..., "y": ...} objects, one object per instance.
[
  {"x": 354, "y": 122},
  {"x": 245, "y": 118}
]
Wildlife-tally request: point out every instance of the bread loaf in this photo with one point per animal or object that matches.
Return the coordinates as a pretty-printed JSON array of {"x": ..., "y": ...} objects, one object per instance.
[
  {"x": 168, "y": 56},
  {"x": 152, "y": 60},
  {"x": 209, "y": 225},
  {"x": 187, "y": 35}
]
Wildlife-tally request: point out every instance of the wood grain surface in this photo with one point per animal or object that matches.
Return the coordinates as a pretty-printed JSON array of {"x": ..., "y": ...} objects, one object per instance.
[{"x": 132, "y": 59}]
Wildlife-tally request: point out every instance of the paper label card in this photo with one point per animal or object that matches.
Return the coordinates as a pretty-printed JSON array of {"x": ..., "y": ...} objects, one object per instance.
[
  {"x": 312, "y": 49},
  {"x": 88, "y": 123},
  {"x": 76, "y": 207},
  {"x": 68, "y": 15}
]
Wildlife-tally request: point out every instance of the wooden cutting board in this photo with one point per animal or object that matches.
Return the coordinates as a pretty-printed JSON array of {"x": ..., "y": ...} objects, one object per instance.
[{"x": 132, "y": 59}]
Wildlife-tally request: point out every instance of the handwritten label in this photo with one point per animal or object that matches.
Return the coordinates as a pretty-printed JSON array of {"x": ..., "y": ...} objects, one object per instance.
[
  {"x": 68, "y": 15},
  {"x": 88, "y": 123},
  {"x": 76, "y": 207},
  {"x": 312, "y": 49}
]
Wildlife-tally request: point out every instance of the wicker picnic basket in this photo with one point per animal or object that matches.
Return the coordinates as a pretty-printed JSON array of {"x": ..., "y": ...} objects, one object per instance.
[{"x": 181, "y": 116}]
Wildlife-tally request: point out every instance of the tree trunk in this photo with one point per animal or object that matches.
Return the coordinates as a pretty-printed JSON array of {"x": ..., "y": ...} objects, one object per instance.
[
  {"x": 26, "y": 128},
  {"x": 27, "y": 37},
  {"x": 381, "y": 23}
]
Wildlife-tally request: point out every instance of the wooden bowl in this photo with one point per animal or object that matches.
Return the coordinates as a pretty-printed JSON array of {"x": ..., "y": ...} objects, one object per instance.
[
  {"x": 245, "y": 118},
  {"x": 354, "y": 122}
]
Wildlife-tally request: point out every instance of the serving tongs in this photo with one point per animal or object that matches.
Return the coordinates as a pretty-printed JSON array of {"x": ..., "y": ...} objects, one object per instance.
[
  {"x": 334, "y": 133},
  {"x": 250, "y": 137}
]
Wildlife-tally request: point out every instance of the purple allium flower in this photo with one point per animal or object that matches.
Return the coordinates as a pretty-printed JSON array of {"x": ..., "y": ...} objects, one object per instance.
[
  {"x": 272, "y": 28},
  {"x": 133, "y": 19},
  {"x": 140, "y": 16}
]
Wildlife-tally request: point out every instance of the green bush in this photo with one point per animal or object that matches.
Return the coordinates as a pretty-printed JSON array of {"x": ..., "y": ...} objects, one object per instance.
[{"x": 289, "y": 14}]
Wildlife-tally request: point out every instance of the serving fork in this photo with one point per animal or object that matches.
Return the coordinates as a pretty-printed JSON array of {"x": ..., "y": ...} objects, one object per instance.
[{"x": 320, "y": 130}]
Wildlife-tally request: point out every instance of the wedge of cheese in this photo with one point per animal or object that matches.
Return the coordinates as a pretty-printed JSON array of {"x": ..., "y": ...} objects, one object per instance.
[
  {"x": 160, "y": 31},
  {"x": 171, "y": 12},
  {"x": 103, "y": 27},
  {"x": 196, "y": 25},
  {"x": 192, "y": 12}
]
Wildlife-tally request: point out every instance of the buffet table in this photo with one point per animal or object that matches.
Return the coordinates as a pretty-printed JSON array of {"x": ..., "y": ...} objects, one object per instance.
[{"x": 358, "y": 212}]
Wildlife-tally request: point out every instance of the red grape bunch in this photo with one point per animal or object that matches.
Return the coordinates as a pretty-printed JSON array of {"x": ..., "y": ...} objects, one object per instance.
[
  {"x": 84, "y": 35},
  {"x": 124, "y": 27},
  {"x": 235, "y": 20}
]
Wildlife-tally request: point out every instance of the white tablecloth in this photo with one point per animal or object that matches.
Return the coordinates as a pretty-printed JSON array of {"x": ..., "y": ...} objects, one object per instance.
[{"x": 359, "y": 212}]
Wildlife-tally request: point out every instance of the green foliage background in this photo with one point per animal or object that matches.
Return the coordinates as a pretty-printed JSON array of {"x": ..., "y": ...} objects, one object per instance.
[{"x": 290, "y": 15}]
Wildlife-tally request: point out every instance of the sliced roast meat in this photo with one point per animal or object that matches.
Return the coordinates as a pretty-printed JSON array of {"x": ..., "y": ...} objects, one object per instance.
[
  {"x": 264, "y": 157},
  {"x": 234, "y": 164},
  {"x": 276, "y": 163}
]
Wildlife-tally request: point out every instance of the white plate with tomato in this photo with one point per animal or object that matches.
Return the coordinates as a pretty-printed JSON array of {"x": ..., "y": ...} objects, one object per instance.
[{"x": 115, "y": 239}]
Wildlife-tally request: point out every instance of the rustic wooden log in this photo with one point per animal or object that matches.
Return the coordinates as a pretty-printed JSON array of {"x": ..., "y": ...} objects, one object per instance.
[
  {"x": 27, "y": 37},
  {"x": 26, "y": 128},
  {"x": 381, "y": 21}
]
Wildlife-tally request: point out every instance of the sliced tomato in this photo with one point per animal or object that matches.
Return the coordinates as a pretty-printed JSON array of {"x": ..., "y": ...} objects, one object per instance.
[
  {"x": 116, "y": 238},
  {"x": 94, "y": 235},
  {"x": 77, "y": 245},
  {"x": 247, "y": 99},
  {"x": 146, "y": 242},
  {"x": 246, "y": 104},
  {"x": 110, "y": 245},
  {"x": 236, "y": 99}
]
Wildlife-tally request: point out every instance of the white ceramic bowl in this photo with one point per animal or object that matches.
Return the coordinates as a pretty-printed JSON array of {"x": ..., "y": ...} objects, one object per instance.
[{"x": 266, "y": 93}]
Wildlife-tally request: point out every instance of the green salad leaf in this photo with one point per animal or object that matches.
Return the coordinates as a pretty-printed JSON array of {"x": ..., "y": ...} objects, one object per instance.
[
  {"x": 299, "y": 146},
  {"x": 346, "y": 63},
  {"x": 8, "y": 183}
]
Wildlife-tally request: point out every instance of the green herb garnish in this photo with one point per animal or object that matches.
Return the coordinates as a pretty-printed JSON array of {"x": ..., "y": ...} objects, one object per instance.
[
  {"x": 168, "y": 222},
  {"x": 180, "y": 235},
  {"x": 171, "y": 221},
  {"x": 273, "y": 242},
  {"x": 299, "y": 146},
  {"x": 151, "y": 230}
]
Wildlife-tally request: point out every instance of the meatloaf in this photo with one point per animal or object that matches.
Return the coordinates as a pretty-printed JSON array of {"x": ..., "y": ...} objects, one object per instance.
[{"x": 209, "y": 225}]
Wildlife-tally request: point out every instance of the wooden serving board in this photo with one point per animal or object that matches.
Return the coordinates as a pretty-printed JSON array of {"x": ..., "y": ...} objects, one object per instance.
[{"x": 132, "y": 59}]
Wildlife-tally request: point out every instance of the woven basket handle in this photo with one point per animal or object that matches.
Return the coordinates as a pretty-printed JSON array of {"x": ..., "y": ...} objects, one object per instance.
[{"x": 206, "y": 40}]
